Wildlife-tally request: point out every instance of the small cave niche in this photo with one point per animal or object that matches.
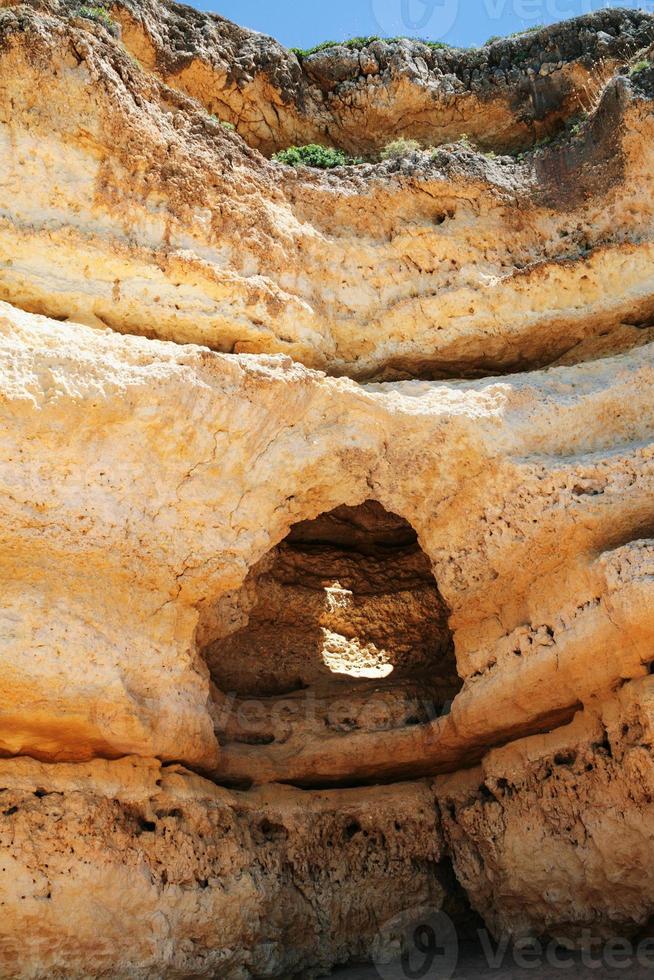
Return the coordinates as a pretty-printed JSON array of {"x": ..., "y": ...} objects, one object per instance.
[{"x": 345, "y": 602}]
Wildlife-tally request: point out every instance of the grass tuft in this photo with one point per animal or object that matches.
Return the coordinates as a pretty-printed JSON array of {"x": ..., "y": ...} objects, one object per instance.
[
  {"x": 99, "y": 14},
  {"x": 641, "y": 65}
]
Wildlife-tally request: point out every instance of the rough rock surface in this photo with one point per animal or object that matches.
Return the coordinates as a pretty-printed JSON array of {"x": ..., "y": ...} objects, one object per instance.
[
  {"x": 128, "y": 205},
  {"x": 283, "y": 654},
  {"x": 186, "y": 878},
  {"x": 554, "y": 833}
]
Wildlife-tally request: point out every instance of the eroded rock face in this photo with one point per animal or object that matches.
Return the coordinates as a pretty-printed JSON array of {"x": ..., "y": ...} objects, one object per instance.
[
  {"x": 501, "y": 94},
  {"x": 280, "y": 649},
  {"x": 348, "y": 594},
  {"x": 128, "y": 205},
  {"x": 554, "y": 833},
  {"x": 344, "y": 633},
  {"x": 190, "y": 879}
]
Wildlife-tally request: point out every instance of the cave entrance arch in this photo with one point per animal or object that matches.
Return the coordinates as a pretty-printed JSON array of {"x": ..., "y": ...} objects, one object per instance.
[{"x": 347, "y": 603}]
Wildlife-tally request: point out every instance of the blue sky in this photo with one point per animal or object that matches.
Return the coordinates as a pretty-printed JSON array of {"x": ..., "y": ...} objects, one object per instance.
[{"x": 461, "y": 22}]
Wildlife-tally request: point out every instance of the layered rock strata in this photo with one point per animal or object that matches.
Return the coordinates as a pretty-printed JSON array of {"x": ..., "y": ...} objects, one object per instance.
[
  {"x": 130, "y": 206},
  {"x": 285, "y": 655}
]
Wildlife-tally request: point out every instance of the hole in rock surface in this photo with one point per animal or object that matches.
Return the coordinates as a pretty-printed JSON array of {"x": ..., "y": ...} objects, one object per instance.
[{"x": 346, "y": 607}]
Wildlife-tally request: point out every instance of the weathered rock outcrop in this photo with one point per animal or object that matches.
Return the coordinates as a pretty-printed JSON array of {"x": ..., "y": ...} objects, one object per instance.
[
  {"x": 188, "y": 879},
  {"x": 129, "y": 206},
  {"x": 554, "y": 833},
  {"x": 276, "y": 645},
  {"x": 505, "y": 94}
]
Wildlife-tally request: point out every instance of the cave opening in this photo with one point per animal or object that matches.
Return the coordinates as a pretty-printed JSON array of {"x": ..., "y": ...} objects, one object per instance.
[{"x": 344, "y": 616}]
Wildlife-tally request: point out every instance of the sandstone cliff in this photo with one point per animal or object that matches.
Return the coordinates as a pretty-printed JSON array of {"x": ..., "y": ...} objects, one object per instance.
[{"x": 327, "y": 499}]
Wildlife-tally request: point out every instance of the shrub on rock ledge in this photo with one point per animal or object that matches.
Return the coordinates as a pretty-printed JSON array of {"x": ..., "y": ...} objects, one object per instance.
[
  {"x": 399, "y": 148},
  {"x": 312, "y": 155}
]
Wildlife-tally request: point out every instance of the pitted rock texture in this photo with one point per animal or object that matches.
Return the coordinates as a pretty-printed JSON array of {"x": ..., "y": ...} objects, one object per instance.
[
  {"x": 219, "y": 457},
  {"x": 126, "y": 204},
  {"x": 285, "y": 655},
  {"x": 189, "y": 879},
  {"x": 554, "y": 833}
]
